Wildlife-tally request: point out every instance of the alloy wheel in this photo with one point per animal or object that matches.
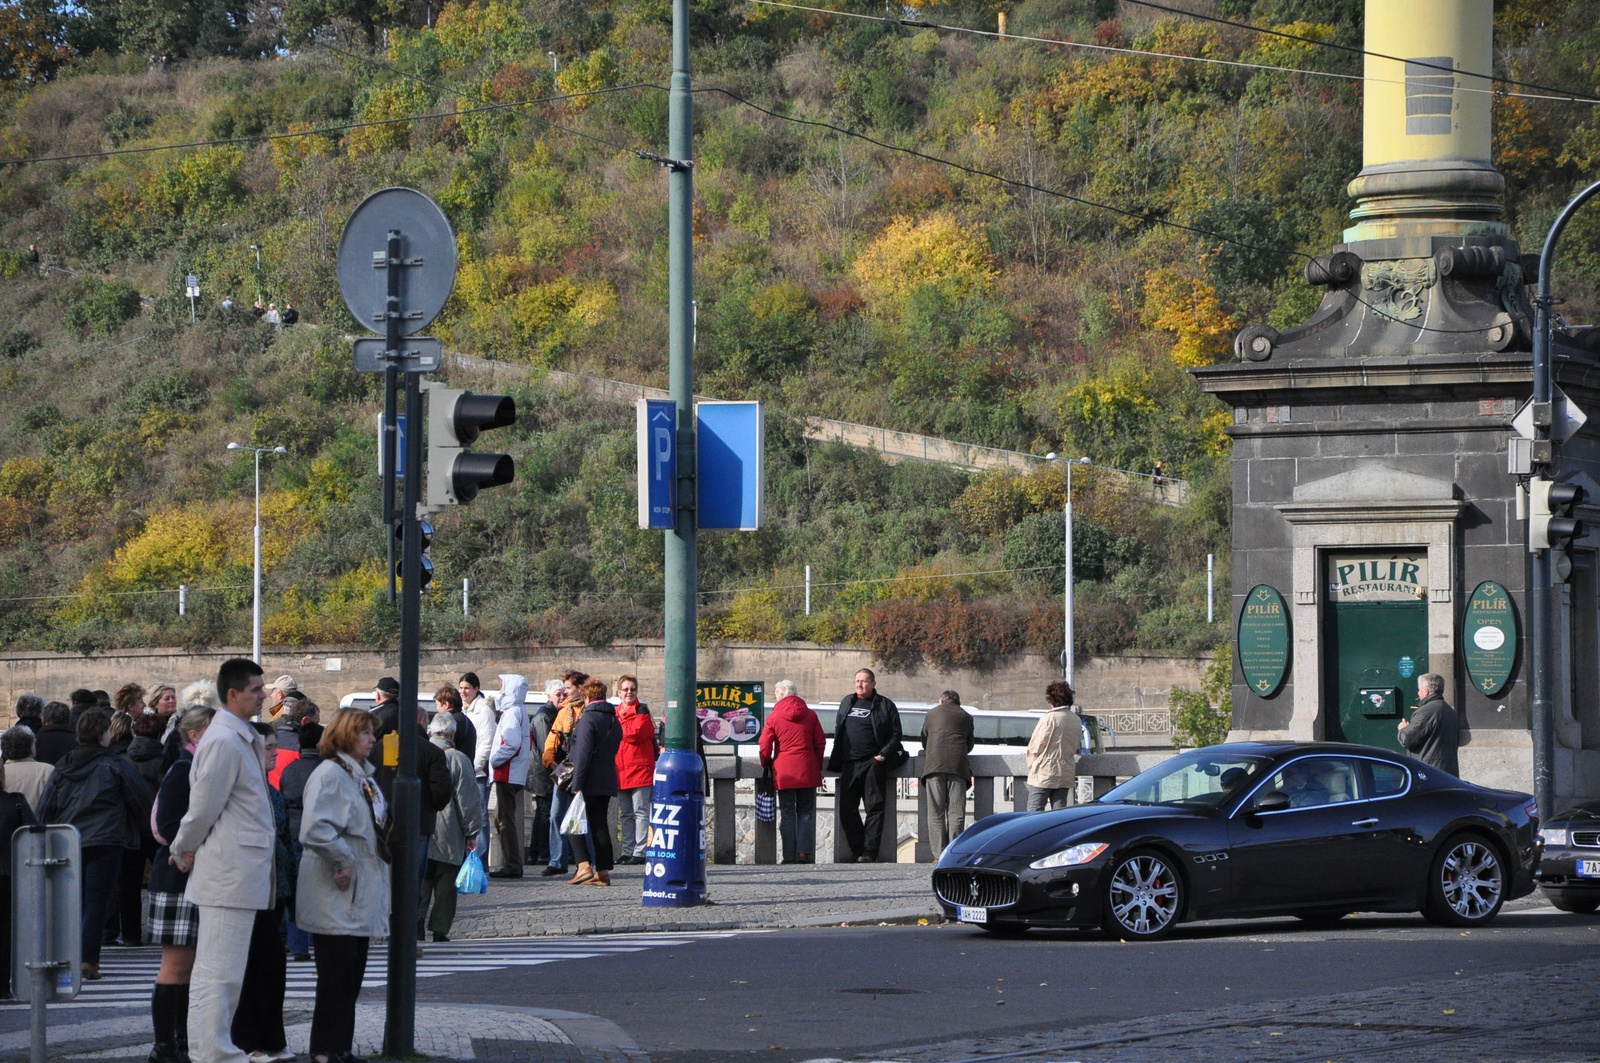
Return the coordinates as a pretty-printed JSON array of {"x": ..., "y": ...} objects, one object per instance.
[
  {"x": 1471, "y": 880},
  {"x": 1144, "y": 895}
]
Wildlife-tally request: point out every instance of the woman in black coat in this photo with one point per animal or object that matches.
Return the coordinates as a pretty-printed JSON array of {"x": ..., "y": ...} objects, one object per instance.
[
  {"x": 14, "y": 813},
  {"x": 595, "y": 740}
]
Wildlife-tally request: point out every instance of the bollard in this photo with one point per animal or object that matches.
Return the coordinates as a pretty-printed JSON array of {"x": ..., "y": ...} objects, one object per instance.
[
  {"x": 675, "y": 860},
  {"x": 46, "y": 875}
]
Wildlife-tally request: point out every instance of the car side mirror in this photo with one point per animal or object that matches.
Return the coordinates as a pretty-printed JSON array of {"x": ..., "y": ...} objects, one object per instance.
[{"x": 1271, "y": 801}]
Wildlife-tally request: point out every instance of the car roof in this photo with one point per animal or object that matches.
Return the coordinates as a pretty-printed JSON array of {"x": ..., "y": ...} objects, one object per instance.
[{"x": 1282, "y": 750}]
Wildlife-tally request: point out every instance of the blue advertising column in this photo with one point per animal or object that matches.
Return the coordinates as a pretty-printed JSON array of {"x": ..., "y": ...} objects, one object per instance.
[{"x": 675, "y": 859}]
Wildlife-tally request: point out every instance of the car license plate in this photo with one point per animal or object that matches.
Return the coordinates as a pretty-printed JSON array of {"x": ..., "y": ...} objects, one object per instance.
[
  {"x": 981, "y": 915},
  {"x": 1586, "y": 869}
]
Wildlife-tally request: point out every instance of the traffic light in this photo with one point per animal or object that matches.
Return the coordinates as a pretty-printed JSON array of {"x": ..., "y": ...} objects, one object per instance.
[
  {"x": 425, "y": 529},
  {"x": 455, "y": 420},
  {"x": 1550, "y": 521}
]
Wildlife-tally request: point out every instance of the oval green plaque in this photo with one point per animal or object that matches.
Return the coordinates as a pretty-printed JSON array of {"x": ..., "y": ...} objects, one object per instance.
[
  {"x": 1263, "y": 640},
  {"x": 1489, "y": 638}
]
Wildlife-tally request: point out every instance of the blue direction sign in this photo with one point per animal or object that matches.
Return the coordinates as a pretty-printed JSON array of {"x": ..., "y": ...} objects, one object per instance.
[
  {"x": 658, "y": 463},
  {"x": 399, "y": 446},
  {"x": 729, "y": 465}
]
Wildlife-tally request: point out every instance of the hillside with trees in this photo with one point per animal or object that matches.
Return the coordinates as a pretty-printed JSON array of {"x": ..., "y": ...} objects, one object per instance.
[{"x": 1018, "y": 243}]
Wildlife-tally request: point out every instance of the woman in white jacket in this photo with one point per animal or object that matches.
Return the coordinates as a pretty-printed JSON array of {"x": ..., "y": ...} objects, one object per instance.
[
  {"x": 508, "y": 762},
  {"x": 475, "y": 703},
  {"x": 343, "y": 888}
]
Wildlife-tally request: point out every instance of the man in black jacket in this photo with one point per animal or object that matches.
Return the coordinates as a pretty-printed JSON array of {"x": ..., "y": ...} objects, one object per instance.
[
  {"x": 1434, "y": 731},
  {"x": 433, "y": 772},
  {"x": 57, "y": 736},
  {"x": 866, "y": 745}
]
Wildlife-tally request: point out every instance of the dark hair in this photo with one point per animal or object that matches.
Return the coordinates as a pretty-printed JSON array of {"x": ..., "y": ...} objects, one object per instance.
[
  {"x": 262, "y": 729},
  {"x": 129, "y": 699},
  {"x": 29, "y": 705},
  {"x": 310, "y": 735},
  {"x": 56, "y": 713},
  {"x": 102, "y": 699},
  {"x": 450, "y": 696},
  {"x": 471, "y": 677},
  {"x": 121, "y": 727},
  {"x": 92, "y": 725},
  {"x": 16, "y": 743},
  {"x": 1058, "y": 693},
  {"x": 81, "y": 696},
  {"x": 951, "y": 696},
  {"x": 235, "y": 674},
  {"x": 575, "y": 677},
  {"x": 594, "y": 690},
  {"x": 149, "y": 724},
  {"x": 304, "y": 709}
]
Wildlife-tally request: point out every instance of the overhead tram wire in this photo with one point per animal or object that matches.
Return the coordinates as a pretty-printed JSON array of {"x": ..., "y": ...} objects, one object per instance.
[
  {"x": 1564, "y": 95},
  {"x": 910, "y": 23},
  {"x": 1145, "y": 217},
  {"x": 262, "y": 138}
]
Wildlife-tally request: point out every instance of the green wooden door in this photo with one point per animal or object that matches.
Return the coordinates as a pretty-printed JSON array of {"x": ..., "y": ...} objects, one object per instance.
[{"x": 1373, "y": 653}]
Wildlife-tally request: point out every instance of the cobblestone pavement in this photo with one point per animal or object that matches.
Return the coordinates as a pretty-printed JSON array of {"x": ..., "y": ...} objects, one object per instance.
[{"x": 742, "y": 895}]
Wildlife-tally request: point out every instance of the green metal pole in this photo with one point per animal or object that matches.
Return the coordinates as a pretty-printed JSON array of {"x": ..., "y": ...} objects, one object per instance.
[{"x": 681, "y": 555}]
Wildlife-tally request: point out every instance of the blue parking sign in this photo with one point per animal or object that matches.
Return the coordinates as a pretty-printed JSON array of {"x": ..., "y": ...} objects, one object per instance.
[{"x": 657, "y": 421}]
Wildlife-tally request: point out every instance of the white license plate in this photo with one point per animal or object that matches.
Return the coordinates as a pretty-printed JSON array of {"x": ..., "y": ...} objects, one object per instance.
[
  {"x": 971, "y": 915},
  {"x": 1586, "y": 869}
]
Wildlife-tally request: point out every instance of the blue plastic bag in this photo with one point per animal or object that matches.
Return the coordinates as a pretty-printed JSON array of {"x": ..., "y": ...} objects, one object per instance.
[{"x": 471, "y": 879}]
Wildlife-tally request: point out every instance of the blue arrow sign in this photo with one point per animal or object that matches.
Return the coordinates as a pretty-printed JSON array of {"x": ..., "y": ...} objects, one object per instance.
[{"x": 658, "y": 463}]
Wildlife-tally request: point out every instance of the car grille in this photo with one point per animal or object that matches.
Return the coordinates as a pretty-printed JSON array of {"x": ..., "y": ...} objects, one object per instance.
[
  {"x": 1586, "y": 839},
  {"x": 976, "y": 888}
]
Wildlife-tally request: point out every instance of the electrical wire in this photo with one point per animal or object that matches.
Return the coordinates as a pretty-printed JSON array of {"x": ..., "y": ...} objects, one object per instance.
[
  {"x": 124, "y": 594},
  {"x": 1145, "y": 217},
  {"x": 261, "y": 138},
  {"x": 1565, "y": 95},
  {"x": 996, "y": 35}
]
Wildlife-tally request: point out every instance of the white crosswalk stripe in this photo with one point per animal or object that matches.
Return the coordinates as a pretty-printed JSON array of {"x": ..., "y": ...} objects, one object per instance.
[{"x": 126, "y": 975}]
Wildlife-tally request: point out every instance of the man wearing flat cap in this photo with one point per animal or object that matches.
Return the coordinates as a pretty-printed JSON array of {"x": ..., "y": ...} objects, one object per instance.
[{"x": 280, "y": 692}]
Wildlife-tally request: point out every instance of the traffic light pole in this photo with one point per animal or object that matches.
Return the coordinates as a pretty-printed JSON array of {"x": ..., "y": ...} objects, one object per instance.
[
  {"x": 681, "y": 546},
  {"x": 1539, "y": 620},
  {"x": 399, "y": 1029}
]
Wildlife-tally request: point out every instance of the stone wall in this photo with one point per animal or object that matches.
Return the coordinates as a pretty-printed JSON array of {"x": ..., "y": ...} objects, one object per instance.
[{"x": 1135, "y": 688}]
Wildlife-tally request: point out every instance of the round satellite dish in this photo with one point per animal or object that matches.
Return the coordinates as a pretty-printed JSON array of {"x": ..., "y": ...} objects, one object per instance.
[{"x": 425, "y": 236}]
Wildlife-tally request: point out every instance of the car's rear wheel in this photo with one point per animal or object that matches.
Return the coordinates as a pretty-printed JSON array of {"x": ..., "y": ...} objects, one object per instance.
[
  {"x": 1466, "y": 882},
  {"x": 1573, "y": 902},
  {"x": 1323, "y": 917},
  {"x": 1143, "y": 897}
]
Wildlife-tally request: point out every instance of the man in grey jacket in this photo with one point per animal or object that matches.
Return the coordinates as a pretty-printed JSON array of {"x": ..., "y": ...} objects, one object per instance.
[
  {"x": 946, "y": 771},
  {"x": 225, "y": 845},
  {"x": 1434, "y": 731}
]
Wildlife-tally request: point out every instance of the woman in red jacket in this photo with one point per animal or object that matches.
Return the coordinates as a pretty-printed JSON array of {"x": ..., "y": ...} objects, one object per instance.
[
  {"x": 636, "y": 769},
  {"x": 791, "y": 747}
]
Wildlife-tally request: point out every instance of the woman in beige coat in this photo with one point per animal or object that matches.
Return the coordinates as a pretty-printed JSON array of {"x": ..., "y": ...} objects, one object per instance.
[
  {"x": 1053, "y": 752},
  {"x": 342, "y": 898}
]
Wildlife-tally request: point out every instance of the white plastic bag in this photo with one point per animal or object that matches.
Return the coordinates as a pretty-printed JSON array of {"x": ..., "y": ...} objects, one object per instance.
[{"x": 576, "y": 821}]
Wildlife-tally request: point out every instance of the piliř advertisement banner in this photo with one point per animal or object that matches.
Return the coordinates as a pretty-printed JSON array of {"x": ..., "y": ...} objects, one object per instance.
[{"x": 729, "y": 713}]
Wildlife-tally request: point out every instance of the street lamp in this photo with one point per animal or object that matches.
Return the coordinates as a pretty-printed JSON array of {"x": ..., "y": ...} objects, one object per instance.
[
  {"x": 255, "y": 630},
  {"x": 555, "y": 64},
  {"x": 1067, "y": 661}
]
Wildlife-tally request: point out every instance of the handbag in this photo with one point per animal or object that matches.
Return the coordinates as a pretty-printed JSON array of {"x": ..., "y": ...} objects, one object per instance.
[
  {"x": 766, "y": 798},
  {"x": 576, "y": 820},
  {"x": 471, "y": 879},
  {"x": 562, "y": 775}
]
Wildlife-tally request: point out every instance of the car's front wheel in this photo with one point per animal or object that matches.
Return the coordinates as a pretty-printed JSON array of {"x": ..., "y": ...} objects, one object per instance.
[
  {"x": 1579, "y": 903},
  {"x": 1466, "y": 883},
  {"x": 1143, "y": 897}
]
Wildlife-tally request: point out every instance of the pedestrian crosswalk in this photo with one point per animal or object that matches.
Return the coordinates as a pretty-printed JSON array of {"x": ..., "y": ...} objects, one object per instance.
[{"x": 126, "y": 975}]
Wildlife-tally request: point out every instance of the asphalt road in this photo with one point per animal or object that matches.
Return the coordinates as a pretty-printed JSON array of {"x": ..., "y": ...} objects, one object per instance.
[{"x": 839, "y": 992}]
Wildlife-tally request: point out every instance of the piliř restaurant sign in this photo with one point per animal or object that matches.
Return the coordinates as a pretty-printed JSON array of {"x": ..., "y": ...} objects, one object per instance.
[
  {"x": 729, "y": 712},
  {"x": 1263, "y": 640}
]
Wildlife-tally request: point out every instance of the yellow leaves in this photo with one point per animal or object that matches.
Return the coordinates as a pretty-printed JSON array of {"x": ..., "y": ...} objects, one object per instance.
[
  {"x": 25, "y": 480},
  {"x": 754, "y": 615},
  {"x": 198, "y": 186},
  {"x": 1301, "y": 54},
  {"x": 597, "y": 70},
  {"x": 937, "y": 249},
  {"x": 784, "y": 301},
  {"x": 289, "y": 154},
  {"x": 398, "y": 99},
  {"x": 334, "y": 613},
  {"x": 1189, "y": 308}
]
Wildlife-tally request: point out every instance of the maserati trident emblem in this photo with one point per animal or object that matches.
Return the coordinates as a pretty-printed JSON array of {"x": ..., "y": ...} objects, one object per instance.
[{"x": 974, "y": 887}]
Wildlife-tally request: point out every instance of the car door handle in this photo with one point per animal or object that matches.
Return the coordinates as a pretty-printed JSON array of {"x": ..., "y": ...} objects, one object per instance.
[{"x": 1370, "y": 821}]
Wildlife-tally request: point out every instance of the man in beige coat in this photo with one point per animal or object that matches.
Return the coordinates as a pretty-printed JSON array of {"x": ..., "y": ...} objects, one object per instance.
[
  {"x": 225, "y": 844},
  {"x": 1053, "y": 752}
]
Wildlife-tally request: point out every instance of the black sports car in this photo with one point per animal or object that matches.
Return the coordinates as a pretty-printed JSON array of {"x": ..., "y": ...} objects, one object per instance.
[
  {"x": 1569, "y": 864},
  {"x": 1311, "y": 829}
]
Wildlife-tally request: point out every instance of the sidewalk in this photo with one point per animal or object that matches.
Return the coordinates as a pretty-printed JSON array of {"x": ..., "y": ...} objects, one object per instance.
[{"x": 742, "y": 896}]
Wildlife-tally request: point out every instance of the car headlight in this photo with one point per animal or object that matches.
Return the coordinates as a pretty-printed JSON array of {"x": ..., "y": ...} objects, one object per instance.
[
  {"x": 1553, "y": 835},
  {"x": 1078, "y": 854}
]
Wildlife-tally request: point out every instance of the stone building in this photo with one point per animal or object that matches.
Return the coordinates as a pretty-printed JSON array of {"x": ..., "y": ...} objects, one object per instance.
[{"x": 1371, "y": 482}]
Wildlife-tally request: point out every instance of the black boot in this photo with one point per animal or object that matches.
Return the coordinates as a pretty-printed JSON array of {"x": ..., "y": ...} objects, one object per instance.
[
  {"x": 180, "y": 1021},
  {"x": 161, "y": 1007}
]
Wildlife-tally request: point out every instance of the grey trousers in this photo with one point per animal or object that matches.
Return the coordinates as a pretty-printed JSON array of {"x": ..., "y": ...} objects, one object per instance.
[
  {"x": 1053, "y": 797},
  {"x": 633, "y": 808},
  {"x": 947, "y": 809}
]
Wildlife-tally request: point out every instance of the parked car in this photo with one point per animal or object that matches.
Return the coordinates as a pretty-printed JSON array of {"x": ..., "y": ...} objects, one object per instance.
[
  {"x": 1311, "y": 829},
  {"x": 1569, "y": 859}
]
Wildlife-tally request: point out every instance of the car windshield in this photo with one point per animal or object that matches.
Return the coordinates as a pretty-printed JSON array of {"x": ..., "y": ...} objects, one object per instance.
[{"x": 1203, "y": 778}]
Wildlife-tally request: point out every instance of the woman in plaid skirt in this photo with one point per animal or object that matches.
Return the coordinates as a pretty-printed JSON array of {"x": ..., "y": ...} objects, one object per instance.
[{"x": 174, "y": 922}]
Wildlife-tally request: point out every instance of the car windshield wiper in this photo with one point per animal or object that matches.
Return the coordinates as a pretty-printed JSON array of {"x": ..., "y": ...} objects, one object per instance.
[{"x": 1133, "y": 801}]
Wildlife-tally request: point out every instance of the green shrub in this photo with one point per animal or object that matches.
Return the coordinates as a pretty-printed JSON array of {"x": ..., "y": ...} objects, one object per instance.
[
  {"x": 1202, "y": 717},
  {"x": 103, "y": 309}
]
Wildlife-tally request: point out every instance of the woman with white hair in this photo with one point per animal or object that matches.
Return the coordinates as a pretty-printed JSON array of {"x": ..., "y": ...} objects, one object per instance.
[
  {"x": 792, "y": 742},
  {"x": 455, "y": 832}
]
